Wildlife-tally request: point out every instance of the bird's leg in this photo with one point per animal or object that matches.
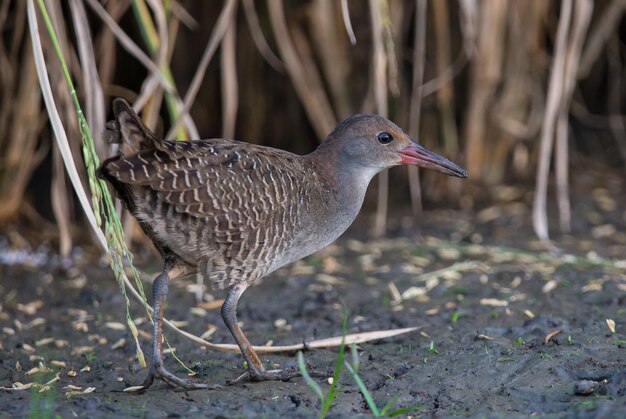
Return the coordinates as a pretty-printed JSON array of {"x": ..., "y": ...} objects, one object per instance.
[
  {"x": 157, "y": 370},
  {"x": 256, "y": 370}
]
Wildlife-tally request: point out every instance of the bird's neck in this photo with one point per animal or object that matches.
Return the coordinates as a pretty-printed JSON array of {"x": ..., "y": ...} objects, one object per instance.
[{"x": 348, "y": 179}]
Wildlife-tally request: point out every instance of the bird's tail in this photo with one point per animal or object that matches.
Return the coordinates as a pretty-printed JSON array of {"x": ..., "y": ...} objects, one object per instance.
[{"x": 129, "y": 130}]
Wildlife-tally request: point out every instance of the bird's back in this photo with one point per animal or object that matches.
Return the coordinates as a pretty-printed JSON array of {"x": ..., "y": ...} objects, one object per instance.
[{"x": 233, "y": 210}]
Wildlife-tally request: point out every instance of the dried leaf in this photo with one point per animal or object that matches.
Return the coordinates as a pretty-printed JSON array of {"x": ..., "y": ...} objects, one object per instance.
[
  {"x": 211, "y": 305},
  {"x": 36, "y": 322},
  {"x": 28, "y": 348},
  {"x": 44, "y": 341},
  {"x": 611, "y": 325},
  {"x": 396, "y": 297},
  {"x": 133, "y": 389},
  {"x": 549, "y": 286},
  {"x": 550, "y": 335},
  {"x": 119, "y": 344},
  {"x": 493, "y": 302},
  {"x": 115, "y": 326},
  {"x": 30, "y": 308},
  {"x": 210, "y": 330},
  {"x": 19, "y": 386}
]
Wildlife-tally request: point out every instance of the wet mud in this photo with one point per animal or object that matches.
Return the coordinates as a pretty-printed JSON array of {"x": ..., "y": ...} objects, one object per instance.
[{"x": 507, "y": 327}]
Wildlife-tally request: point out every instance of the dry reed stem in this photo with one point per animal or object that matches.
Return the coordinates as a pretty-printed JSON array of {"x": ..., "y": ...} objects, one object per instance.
[
  {"x": 445, "y": 95},
  {"x": 485, "y": 75},
  {"x": 57, "y": 125},
  {"x": 614, "y": 96},
  {"x": 93, "y": 96},
  {"x": 150, "y": 85},
  {"x": 19, "y": 135},
  {"x": 415, "y": 106},
  {"x": 389, "y": 41},
  {"x": 129, "y": 45},
  {"x": 316, "y": 344},
  {"x": 258, "y": 38},
  {"x": 310, "y": 68},
  {"x": 605, "y": 28},
  {"x": 555, "y": 93},
  {"x": 105, "y": 47},
  {"x": 519, "y": 110},
  {"x": 183, "y": 15},
  {"x": 61, "y": 195},
  {"x": 378, "y": 84},
  {"x": 136, "y": 52},
  {"x": 228, "y": 73},
  {"x": 223, "y": 21},
  {"x": 329, "y": 39},
  {"x": 60, "y": 204},
  {"x": 468, "y": 11},
  {"x": 347, "y": 23},
  {"x": 310, "y": 91},
  {"x": 582, "y": 16}
]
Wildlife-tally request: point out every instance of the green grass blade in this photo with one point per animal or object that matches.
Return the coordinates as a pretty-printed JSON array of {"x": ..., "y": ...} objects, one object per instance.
[
  {"x": 366, "y": 394},
  {"x": 387, "y": 406},
  {"x": 404, "y": 410},
  {"x": 307, "y": 377},
  {"x": 356, "y": 361},
  {"x": 330, "y": 395}
]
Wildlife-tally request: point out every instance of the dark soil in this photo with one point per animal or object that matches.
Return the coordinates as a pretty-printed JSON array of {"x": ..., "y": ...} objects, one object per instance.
[{"x": 489, "y": 298}]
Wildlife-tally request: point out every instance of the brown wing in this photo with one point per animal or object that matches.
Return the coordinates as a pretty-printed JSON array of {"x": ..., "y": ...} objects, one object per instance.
[{"x": 211, "y": 178}]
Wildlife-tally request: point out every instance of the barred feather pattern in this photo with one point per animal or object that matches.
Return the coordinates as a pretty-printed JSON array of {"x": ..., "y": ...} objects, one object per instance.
[{"x": 231, "y": 210}]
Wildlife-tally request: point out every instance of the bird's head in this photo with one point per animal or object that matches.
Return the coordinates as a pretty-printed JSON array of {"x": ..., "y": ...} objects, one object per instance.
[{"x": 375, "y": 143}]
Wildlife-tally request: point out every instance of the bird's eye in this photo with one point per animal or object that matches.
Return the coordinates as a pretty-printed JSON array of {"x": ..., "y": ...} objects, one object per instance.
[{"x": 384, "y": 138}]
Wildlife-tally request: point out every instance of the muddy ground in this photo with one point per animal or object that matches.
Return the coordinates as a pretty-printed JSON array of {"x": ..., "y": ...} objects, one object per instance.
[{"x": 507, "y": 327}]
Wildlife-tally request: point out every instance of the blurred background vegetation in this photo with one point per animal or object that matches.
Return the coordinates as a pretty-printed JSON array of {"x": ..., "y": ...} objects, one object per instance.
[{"x": 519, "y": 92}]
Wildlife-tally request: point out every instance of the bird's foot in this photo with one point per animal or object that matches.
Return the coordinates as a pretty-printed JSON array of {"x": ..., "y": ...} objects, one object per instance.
[
  {"x": 272, "y": 375},
  {"x": 159, "y": 372}
]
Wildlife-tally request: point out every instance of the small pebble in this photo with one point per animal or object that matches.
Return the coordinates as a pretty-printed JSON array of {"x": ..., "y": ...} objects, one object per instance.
[{"x": 585, "y": 387}]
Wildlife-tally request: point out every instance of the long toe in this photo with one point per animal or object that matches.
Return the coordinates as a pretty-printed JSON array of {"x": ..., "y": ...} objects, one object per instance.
[
  {"x": 273, "y": 375},
  {"x": 174, "y": 381}
]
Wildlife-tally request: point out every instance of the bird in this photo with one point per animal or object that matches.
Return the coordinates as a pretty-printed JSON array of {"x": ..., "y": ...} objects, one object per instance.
[{"x": 234, "y": 212}]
